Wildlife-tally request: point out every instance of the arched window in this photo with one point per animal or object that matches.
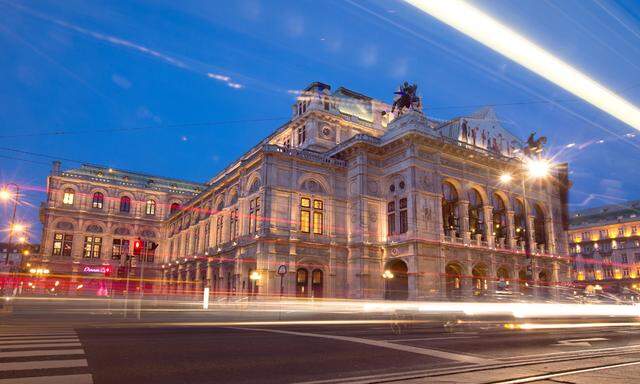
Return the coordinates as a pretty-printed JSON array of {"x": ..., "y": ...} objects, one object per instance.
[
  {"x": 302, "y": 279},
  {"x": 125, "y": 204},
  {"x": 499, "y": 217},
  {"x": 69, "y": 194},
  {"x": 539, "y": 226},
  {"x": 98, "y": 200},
  {"x": 519, "y": 220},
  {"x": 150, "y": 208},
  {"x": 175, "y": 207},
  {"x": 450, "y": 220},
  {"x": 476, "y": 214}
]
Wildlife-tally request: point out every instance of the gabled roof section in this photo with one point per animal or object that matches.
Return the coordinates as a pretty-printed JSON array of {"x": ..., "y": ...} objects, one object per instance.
[{"x": 606, "y": 214}]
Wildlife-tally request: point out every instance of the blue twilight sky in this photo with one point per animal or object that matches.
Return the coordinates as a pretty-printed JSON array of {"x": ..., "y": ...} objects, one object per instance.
[{"x": 86, "y": 68}]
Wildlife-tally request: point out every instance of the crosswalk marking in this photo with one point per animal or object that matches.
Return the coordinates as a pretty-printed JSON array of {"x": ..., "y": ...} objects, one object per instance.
[
  {"x": 44, "y": 364},
  {"x": 31, "y": 348},
  {"x": 36, "y": 341},
  {"x": 59, "y": 379},
  {"x": 48, "y": 352},
  {"x": 27, "y": 346}
]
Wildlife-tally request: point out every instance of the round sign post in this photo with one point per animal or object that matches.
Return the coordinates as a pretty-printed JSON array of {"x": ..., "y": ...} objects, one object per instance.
[{"x": 282, "y": 270}]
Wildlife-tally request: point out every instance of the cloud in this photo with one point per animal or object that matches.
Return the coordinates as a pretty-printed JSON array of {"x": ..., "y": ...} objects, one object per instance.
[
  {"x": 145, "y": 114},
  {"x": 218, "y": 77},
  {"x": 121, "y": 81},
  {"x": 369, "y": 56}
]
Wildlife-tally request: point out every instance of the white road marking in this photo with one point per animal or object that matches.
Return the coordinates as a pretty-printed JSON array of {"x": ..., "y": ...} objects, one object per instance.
[
  {"x": 577, "y": 371},
  {"x": 579, "y": 342},
  {"x": 67, "y": 340},
  {"x": 434, "y": 338},
  {"x": 626, "y": 347},
  {"x": 60, "y": 379},
  {"x": 383, "y": 344},
  {"x": 54, "y": 352},
  {"x": 27, "y": 346},
  {"x": 43, "y": 364}
]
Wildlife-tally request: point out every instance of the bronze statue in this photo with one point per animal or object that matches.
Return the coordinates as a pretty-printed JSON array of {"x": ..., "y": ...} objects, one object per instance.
[
  {"x": 407, "y": 98},
  {"x": 534, "y": 147}
]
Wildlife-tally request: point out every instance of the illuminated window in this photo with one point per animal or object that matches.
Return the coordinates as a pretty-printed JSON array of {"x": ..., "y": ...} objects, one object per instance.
[
  {"x": 621, "y": 231},
  {"x": 305, "y": 214},
  {"x": 120, "y": 247},
  {"x": 317, "y": 217},
  {"x": 519, "y": 220},
  {"x": 125, "y": 204},
  {"x": 92, "y": 247},
  {"x": 254, "y": 212},
  {"x": 67, "y": 199},
  {"x": 150, "y": 207},
  {"x": 98, "y": 200},
  {"x": 62, "y": 244}
]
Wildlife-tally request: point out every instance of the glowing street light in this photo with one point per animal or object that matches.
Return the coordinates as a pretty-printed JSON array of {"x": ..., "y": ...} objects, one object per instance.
[
  {"x": 17, "y": 227},
  {"x": 255, "y": 276},
  {"x": 387, "y": 274},
  {"x": 538, "y": 168},
  {"x": 506, "y": 178},
  {"x": 5, "y": 194}
]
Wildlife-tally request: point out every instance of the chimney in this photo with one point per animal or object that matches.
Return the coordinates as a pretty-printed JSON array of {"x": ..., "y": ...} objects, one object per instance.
[{"x": 55, "y": 168}]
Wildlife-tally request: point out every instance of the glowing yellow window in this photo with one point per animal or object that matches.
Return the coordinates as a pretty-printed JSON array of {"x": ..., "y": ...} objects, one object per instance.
[
  {"x": 305, "y": 217},
  {"x": 317, "y": 223}
]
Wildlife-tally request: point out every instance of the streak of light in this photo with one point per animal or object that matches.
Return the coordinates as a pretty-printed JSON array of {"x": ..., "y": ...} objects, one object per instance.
[
  {"x": 532, "y": 326},
  {"x": 502, "y": 39}
]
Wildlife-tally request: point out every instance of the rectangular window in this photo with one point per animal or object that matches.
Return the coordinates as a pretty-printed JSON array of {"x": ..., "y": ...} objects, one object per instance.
[
  {"x": 150, "y": 252},
  {"x": 302, "y": 135},
  {"x": 305, "y": 221},
  {"x": 196, "y": 237},
  {"x": 92, "y": 247},
  {"x": 391, "y": 218},
  {"x": 205, "y": 243},
  {"x": 254, "y": 211},
  {"x": 404, "y": 222},
  {"x": 62, "y": 244},
  {"x": 120, "y": 247},
  {"x": 233, "y": 224},
  {"x": 219, "y": 225},
  {"x": 67, "y": 199},
  {"x": 317, "y": 223}
]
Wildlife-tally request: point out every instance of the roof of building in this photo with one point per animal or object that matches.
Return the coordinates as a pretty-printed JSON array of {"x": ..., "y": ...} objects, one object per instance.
[
  {"x": 133, "y": 179},
  {"x": 606, "y": 214}
]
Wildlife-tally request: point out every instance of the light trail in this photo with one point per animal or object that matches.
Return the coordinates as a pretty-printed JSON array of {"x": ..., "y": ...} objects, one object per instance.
[{"x": 502, "y": 39}]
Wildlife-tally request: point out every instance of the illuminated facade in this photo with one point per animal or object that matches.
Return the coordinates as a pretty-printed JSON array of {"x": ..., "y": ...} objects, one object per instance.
[
  {"x": 90, "y": 219},
  {"x": 605, "y": 247},
  {"x": 357, "y": 202}
]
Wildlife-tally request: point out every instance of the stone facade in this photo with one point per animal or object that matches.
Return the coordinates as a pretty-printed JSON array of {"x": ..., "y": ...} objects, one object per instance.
[
  {"x": 346, "y": 191},
  {"x": 91, "y": 217}
]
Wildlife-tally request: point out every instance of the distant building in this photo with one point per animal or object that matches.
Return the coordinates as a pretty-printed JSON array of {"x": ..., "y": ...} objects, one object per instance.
[
  {"x": 91, "y": 217},
  {"x": 605, "y": 247},
  {"x": 16, "y": 254},
  {"x": 347, "y": 199}
]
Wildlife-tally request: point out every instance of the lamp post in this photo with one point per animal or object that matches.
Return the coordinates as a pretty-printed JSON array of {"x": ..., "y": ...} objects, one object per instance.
[
  {"x": 386, "y": 275},
  {"x": 534, "y": 168},
  {"x": 6, "y": 195}
]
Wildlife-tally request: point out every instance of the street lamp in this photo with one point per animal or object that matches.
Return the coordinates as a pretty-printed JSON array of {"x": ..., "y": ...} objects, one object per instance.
[
  {"x": 255, "y": 276},
  {"x": 386, "y": 275},
  {"x": 534, "y": 168}
]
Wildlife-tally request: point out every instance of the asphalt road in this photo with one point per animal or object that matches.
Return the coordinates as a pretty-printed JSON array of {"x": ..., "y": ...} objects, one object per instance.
[{"x": 41, "y": 349}]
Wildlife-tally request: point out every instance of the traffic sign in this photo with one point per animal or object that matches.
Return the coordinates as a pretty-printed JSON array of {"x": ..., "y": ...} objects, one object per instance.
[{"x": 282, "y": 270}]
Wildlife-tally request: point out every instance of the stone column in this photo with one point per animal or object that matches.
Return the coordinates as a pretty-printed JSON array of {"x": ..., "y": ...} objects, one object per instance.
[
  {"x": 510, "y": 240},
  {"x": 466, "y": 280},
  {"x": 198, "y": 282},
  {"x": 555, "y": 279},
  {"x": 488, "y": 227},
  {"x": 209, "y": 275},
  {"x": 179, "y": 286},
  {"x": 463, "y": 217}
]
